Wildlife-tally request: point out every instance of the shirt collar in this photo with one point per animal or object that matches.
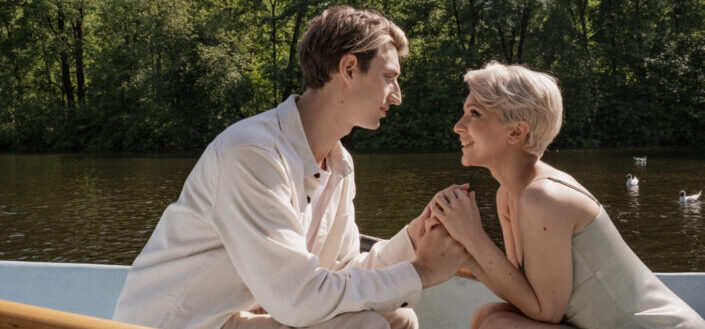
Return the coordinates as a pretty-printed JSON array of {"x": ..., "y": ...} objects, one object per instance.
[{"x": 339, "y": 161}]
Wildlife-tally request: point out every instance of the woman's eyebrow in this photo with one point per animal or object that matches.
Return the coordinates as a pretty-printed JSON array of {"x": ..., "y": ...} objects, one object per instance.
[{"x": 471, "y": 105}]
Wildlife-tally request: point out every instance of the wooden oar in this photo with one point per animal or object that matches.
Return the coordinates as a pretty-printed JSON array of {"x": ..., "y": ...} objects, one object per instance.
[
  {"x": 367, "y": 241},
  {"x": 22, "y": 316}
]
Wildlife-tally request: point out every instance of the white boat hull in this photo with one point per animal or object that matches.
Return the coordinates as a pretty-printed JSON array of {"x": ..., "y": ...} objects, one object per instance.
[{"x": 93, "y": 290}]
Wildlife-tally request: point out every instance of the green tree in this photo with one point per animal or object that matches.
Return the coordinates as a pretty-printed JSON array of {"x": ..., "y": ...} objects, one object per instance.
[{"x": 132, "y": 75}]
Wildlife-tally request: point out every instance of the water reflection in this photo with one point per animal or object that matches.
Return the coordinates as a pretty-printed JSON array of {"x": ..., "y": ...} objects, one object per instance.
[
  {"x": 102, "y": 209},
  {"x": 691, "y": 210},
  {"x": 646, "y": 216},
  {"x": 633, "y": 192},
  {"x": 75, "y": 208}
]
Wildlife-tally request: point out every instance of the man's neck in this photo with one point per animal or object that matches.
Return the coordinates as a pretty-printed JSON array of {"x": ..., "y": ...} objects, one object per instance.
[{"x": 323, "y": 125}]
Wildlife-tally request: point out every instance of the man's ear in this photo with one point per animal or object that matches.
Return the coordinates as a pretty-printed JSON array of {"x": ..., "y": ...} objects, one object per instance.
[
  {"x": 346, "y": 67},
  {"x": 518, "y": 132}
]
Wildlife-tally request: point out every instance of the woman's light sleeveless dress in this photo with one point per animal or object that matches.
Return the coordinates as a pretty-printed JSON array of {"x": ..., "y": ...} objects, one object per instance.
[{"x": 613, "y": 289}]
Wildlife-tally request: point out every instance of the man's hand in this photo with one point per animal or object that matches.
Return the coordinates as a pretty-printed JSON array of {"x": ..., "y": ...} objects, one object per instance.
[
  {"x": 417, "y": 226},
  {"x": 438, "y": 257}
]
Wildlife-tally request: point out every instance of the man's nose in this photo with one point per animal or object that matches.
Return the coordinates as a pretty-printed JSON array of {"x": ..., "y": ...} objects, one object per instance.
[{"x": 395, "y": 96}]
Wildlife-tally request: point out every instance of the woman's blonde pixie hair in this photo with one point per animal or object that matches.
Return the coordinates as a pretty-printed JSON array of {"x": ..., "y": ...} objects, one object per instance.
[
  {"x": 342, "y": 30},
  {"x": 516, "y": 93}
]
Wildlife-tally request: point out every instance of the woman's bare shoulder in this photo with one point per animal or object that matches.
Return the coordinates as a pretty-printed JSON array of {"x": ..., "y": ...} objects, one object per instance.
[
  {"x": 541, "y": 210},
  {"x": 548, "y": 201}
]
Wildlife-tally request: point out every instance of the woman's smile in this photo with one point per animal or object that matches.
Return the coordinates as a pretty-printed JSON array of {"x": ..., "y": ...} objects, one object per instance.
[{"x": 466, "y": 145}]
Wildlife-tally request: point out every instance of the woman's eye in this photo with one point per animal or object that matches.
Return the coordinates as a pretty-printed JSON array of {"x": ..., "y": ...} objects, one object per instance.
[{"x": 474, "y": 113}]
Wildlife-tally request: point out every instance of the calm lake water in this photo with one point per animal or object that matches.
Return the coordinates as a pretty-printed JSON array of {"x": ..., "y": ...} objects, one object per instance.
[{"x": 102, "y": 209}]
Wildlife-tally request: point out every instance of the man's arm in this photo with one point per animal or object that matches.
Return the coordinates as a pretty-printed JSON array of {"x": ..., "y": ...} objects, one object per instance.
[
  {"x": 261, "y": 231},
  {"x": 400, "y": 248},
  {"x": 384, "y": 253},
  {"x": 435, "y": 255}
]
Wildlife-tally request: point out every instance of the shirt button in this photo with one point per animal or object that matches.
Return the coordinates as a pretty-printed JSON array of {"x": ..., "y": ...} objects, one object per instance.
[
  {"x": 404, "y": 304},
  {"x": 308, "y": 199},
  {"x": 317, "y": 175}
]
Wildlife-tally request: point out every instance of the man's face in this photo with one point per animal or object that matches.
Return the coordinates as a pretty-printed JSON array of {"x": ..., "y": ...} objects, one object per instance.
[{"x": 372, "y": 93}]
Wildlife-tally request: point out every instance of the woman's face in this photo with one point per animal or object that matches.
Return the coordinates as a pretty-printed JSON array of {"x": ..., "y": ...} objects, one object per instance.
[{"x": 483, "y": 137}]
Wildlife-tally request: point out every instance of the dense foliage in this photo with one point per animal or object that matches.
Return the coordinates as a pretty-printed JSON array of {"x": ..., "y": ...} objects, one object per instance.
[{"x": 90, "y": 75}]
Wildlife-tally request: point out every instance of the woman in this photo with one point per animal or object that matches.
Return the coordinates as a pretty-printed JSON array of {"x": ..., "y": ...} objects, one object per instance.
[{"x": 565, "y": 264}]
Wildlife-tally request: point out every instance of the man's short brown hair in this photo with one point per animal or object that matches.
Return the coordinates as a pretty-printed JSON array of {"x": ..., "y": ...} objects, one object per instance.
[{"x": 344, "y": 30}]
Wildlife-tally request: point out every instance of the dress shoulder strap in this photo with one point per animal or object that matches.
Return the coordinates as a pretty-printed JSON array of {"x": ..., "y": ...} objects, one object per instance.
[{"x": 559, "y": 181}]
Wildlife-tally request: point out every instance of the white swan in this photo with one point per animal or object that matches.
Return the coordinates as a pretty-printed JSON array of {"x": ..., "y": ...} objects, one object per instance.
[
  {"x": 632, "y": 181},
  {"x": 689, "y": 198},
  {"x": 640, "y": 160}
]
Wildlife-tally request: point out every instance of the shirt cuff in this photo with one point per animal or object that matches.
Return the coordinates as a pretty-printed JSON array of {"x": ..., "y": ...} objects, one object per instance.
[
  {"x": 399, "y": 248},
  {"x": 408, "y": 284}
]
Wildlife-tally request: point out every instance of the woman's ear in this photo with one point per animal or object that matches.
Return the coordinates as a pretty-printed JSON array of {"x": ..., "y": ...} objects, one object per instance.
[
  {"x": 518, "y": 132},
  {"x": 346, "y": 67}
]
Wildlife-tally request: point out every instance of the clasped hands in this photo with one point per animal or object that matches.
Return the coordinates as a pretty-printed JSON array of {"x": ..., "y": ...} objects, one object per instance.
[{"x": 449, "y": 221}]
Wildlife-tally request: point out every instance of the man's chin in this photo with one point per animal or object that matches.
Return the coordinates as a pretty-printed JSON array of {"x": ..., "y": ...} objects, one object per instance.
[{"x": 371, "y": 125}]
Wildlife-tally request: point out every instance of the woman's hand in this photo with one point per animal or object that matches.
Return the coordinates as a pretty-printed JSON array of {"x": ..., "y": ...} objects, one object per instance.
[
  {"x": 457, "y": 210},
  {"x": 425, "y": 221}
]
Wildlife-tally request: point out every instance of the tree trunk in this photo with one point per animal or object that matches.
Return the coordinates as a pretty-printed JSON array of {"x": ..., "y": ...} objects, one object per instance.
[
  {"x": 475, "y": 19},
  {"x": 67, "y": 87},
  {"x": 127, "y": 34},
  {"x": 677, "y": 16},
  {"x": 583, "y": 25},
  {"x": 613, "y": 41},
  {"x": 275, "y": 76},
  {"x": 292, "y": 49},
  {"x": 525, "y": 16},
  {"x": 637, "y": 5},
  {"x": 458, "y": 29},
  {"x": 78, "y": 49},
  {"x": 507, "y": 52}
]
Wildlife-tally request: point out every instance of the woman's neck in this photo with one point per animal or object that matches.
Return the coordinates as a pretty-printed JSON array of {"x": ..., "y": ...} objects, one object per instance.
[{"x": 516, "y": 170}]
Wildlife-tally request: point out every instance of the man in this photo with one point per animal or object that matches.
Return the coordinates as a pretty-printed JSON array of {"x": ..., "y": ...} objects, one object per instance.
[{"x": 266, "y": 218}]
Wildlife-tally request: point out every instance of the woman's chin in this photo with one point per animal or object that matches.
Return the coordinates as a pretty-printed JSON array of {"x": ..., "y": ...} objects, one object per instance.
[{"x": 467, "y": 161}]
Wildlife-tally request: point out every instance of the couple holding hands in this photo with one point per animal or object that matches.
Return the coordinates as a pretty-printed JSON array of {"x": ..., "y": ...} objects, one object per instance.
[{"x": 263, "y": 234}]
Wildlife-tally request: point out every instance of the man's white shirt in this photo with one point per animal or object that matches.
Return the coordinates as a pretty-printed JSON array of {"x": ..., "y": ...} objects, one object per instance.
[
  {"x": 319, "y": 202},
  {"x": 238, "y": 238}
]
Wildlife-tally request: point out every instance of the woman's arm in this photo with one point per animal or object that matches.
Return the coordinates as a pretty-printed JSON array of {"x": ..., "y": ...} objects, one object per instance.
[
  {"x": 477, "y": 271},
  {"x": 503, "y": 215},
  {"x": 546, "y": 232}
]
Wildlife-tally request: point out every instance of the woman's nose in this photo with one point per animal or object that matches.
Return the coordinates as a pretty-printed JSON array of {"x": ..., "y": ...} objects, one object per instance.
[{"x": 458, "y": 127}]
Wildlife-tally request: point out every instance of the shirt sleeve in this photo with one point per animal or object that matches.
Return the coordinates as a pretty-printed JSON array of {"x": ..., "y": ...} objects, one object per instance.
[
  {"x": 262, "y": 233},
  {"x": 396, "y": 250}
]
